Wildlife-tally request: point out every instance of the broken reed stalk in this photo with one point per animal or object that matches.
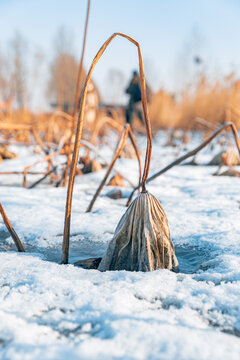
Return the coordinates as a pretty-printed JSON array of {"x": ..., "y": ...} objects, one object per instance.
[
  {"x": 66, "y": 235},
  {"x": 50, "y": 171},
  {"x": 11, "y": 230},
  {"x": 25, "y": 170},
  {"x": 43, "y": 178},
  {"x": 191, "y": 153},
  {"x": 126, "y": 132},
  {"x": 78, "y": 91},
  {"x": 21, "y": 172}
]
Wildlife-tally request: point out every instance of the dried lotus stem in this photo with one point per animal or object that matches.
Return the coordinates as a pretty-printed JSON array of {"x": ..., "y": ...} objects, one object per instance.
[
  {"x": 80, "y": 70},
  {"x": 127, "y": 132},
  {"x": 66, "y": 235},
  {"x": 25, "y": 170},
  {"x": 21, "y": 172},
  {"x": 11, "y": 230},
  {"x": 48, "y": 173},
  {"x": 192, "y": 153},
  {"x": 77, "y": 95}
]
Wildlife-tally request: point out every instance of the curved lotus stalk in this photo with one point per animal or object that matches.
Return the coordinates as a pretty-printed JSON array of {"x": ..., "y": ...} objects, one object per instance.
[
  {"x": 141, "y": 240},
  {"x": 79, "y": 134},
  {"x": 145, "y": 219}
]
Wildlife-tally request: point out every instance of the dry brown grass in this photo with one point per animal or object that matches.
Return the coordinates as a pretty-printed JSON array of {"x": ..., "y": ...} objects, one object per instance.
[{"x": 217, "y": 102}]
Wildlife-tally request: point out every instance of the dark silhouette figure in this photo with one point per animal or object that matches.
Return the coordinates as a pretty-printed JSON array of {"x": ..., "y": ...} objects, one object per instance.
[{"x": 134, "y": 107}]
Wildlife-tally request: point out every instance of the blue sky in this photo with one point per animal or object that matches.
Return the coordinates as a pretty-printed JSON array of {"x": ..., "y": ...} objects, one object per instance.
[{"x": 170, "y": 32}]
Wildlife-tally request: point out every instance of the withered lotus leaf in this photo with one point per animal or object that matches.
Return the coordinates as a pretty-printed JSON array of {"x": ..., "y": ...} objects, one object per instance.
[{"x": 141, "y": 241}]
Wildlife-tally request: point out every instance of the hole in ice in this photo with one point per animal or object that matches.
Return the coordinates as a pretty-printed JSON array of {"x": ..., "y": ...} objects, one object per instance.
[
  {"x": 4, "y": 342},
  {"x": 192, "y": 258},
  {"x": 82, "y": 247},
  {"x": 4, "y": 234}
]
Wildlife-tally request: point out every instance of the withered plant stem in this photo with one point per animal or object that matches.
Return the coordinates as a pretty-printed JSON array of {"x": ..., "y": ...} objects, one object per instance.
[
  {"x": 48, "y": 173},
  {"x": 66, "y": 234},
  {"x": 39, "y": 141},
  {"x": 11, "y": 230},
  {"x": 134, "y": 144},
  {"x": 126, "y": 132},
  {"x": 192, "y": 153},
  {"x": 80, "y": 70},
  {"x": 21, "y": 172},
  {"x": 25, "y": 170},
  {"x": 78, "y": 92}
]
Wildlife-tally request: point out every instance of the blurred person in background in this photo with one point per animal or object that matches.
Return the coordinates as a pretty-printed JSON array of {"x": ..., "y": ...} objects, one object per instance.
[{"x": 134, "y": 107}]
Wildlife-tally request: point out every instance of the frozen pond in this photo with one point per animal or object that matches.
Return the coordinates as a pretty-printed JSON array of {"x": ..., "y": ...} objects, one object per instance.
[{"x": 52, "y": 311}]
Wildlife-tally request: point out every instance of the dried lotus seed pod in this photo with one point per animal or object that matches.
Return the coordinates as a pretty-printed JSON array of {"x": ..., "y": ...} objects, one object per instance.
[{"x": 141, "y": 241}]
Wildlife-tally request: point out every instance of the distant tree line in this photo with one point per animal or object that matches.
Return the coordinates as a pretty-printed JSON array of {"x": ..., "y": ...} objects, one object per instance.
[{"x": 19, "y": 73}]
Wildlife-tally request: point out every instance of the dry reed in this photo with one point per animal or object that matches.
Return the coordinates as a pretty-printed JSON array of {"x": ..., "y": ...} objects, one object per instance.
[
  {"x": 11, "y": 230},
  {"x": 78, "y": 90}
]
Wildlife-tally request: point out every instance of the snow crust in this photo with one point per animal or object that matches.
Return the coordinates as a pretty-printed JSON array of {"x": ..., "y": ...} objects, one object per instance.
[{"x": 52, "y": 311}]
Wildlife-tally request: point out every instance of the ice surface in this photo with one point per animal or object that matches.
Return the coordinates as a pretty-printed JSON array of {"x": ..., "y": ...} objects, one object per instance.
[{"x": 52, "y": 311}]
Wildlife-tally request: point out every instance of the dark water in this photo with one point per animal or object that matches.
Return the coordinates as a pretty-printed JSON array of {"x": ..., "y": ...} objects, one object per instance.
[
  {"x": 191, "y": 258},
  {"x": 80, "y": 248},
  {"x": 4, "y": 234}
]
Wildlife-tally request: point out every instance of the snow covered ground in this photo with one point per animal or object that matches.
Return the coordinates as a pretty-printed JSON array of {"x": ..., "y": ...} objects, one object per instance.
[{"x": 52, "y": 311}]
